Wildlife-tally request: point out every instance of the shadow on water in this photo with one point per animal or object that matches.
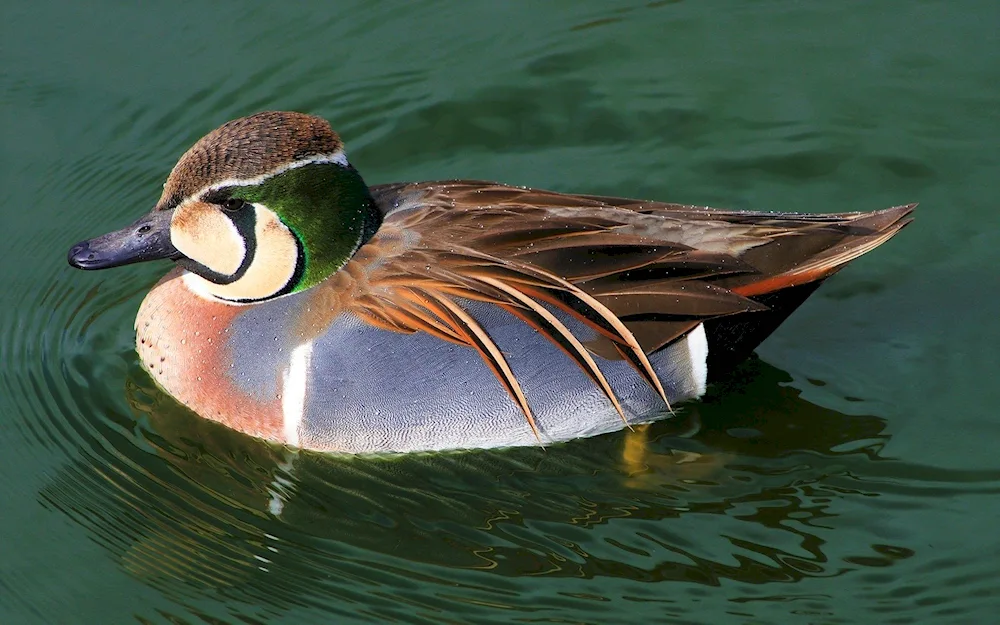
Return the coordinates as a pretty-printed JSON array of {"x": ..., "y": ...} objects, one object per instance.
[{"x": 192, "y": 508}]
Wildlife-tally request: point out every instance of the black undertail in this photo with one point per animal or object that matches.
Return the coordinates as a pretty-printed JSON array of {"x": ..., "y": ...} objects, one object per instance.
[{"x": 732, "y": 339}]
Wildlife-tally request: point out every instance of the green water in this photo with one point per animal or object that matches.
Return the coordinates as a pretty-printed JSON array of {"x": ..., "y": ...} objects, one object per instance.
[{"x": 850, "y": 475}]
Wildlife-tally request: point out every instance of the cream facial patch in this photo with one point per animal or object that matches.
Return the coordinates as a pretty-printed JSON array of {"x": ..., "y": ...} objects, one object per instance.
[
  {"x": 274, "y": 261},
  {"x": 204, "y": 234}
]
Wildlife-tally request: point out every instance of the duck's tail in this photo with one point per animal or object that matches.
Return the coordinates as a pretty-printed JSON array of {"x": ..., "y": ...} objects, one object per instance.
[
  {"x": 859, "y": 233},
  {"x": 849, "y": 235}
]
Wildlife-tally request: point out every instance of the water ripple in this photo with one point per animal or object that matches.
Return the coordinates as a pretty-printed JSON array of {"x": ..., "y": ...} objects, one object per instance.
[{"x": 187, "y": 506}]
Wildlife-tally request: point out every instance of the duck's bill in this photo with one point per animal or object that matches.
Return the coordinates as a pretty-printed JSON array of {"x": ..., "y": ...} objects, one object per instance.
[{"x": 146, "y": 239}]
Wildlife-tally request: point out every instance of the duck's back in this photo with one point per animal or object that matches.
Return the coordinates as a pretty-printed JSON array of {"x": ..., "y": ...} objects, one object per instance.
[{"x": 661, "y": 268}]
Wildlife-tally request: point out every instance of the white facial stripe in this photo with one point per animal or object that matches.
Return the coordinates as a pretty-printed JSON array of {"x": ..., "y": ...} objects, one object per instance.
[
  {"x": 338, "y": 158},
  {"x": 204, "y": 234},
  {"x": 273, "y": 265},
  {"x": 697, "y": 344},
  {"x": 293, "y": 391}
]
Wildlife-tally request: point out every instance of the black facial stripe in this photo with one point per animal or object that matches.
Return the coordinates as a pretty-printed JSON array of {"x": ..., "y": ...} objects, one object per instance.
[
  {"x": 300, "y": 268},
  {"x": 246, "y": 224}
]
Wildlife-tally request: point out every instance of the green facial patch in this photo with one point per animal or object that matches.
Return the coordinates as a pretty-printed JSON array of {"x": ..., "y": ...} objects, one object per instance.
[{"x": 329, "y": 209}]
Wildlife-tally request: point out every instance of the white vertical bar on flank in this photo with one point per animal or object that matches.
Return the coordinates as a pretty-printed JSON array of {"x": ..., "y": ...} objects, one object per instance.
[
  {"x": 697, "y": 343},
  {"x": 293, "y": 392}
]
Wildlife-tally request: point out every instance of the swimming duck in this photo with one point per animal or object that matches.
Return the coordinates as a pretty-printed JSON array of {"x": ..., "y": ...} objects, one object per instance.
[{"x": 310, "y": 309}]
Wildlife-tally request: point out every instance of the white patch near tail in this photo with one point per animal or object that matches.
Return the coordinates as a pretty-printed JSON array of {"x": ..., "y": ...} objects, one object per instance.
[
  {"x": 697, "y": 344},
  {"x": 293, "y": 391}
]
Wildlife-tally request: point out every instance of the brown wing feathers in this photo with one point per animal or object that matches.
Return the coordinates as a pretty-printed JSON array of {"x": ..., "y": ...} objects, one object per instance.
[
  {"x": 537, "y": 316},
  {"x": 597, "y": 260},
  {"x": 423, "y": 298}
]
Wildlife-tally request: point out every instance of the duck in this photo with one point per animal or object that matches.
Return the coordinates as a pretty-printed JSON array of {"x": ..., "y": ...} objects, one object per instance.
[{"x": 312, "y": 310}]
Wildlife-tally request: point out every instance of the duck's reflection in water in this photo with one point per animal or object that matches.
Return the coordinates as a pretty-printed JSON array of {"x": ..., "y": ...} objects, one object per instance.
[{"x": 749, "y": 485}]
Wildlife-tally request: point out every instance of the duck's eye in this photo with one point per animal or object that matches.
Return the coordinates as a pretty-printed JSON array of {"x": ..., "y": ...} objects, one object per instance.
[{"x": 233, "y": 204}]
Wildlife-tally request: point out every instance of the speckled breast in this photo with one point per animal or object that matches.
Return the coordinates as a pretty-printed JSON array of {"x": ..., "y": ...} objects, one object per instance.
[{"x": 182, "y": 341}]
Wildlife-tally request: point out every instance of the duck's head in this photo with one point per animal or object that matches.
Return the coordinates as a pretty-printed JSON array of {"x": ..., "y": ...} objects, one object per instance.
[{"x": 260, "y": 207}]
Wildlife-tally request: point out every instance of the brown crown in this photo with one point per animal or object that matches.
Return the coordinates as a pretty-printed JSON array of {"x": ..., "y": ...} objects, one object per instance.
[{"x": 248, "y": 147}]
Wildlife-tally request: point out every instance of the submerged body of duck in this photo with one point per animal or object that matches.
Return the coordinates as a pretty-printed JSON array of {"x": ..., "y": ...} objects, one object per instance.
[{"x": 312, "y": 310}]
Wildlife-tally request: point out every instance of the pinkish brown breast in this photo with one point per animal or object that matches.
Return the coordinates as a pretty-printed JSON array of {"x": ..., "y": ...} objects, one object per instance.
[{"x": 181, "y": 340}]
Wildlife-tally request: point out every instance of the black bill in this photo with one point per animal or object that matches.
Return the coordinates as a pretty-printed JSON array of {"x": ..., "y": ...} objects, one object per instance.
[{"x": 146, "y": 239}]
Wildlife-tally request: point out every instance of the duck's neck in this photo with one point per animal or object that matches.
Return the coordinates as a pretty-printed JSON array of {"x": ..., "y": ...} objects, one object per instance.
[{"x": 329, "y": 209}]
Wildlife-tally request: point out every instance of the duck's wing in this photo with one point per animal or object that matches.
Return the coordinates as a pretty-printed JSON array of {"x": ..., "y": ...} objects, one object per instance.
[
  {"x": 640, "y": 274},
  {"x": 790, "y": 248}
]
